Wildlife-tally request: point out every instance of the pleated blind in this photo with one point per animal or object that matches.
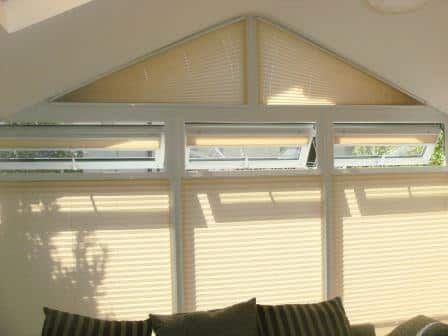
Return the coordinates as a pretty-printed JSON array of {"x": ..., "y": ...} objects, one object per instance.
[
  {"x": 95, "y": 248},
  {"x": 117, "y": 137},
  {"x": 295, "y": 72},
  {"x": 252, "y": 237},
  {"x": 391, "y": 235},
  {"x": 207, "y": 69},
  {"x": 248, "y": 135}
]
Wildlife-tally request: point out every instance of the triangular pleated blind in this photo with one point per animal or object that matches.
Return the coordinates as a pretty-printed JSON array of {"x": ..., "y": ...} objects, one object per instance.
[
  {"x": 94, "y": 248},
  {"x": 392, "y": 234},
  {"x": 252, "y": 237},
  {"x": 292, "y": 71},
  {"x": 209, "y": 69}
]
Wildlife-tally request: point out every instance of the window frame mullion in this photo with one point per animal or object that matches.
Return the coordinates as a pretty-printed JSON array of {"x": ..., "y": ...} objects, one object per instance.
[
  {"x": 175, "y": 166},
  {"x": 324, "y": 139}
]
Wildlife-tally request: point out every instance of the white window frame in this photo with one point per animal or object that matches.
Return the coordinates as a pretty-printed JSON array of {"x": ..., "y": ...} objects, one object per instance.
[
  {"x": 384, "y": 161},
  {"x": 174, "y": 116},
  {"x": 90, "y": 132},
  {"x": 215, "y": 167}
]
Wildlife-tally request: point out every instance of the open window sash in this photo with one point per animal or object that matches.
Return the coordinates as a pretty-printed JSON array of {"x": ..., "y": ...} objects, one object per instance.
[
  {"x": 384, "y": 145},
  {"x": 81, "y": 148},
  {"x": 243, "y": 146}
]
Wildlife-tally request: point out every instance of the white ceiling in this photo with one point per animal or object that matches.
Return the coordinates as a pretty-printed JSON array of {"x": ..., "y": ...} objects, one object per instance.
[
  {"x": 18, "y": 14},
  {"x": 47, "y": 58}
]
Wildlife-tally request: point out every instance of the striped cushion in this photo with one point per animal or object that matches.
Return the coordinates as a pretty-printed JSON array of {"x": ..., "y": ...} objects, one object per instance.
[
  {"x": 320, "y": 319},
  {"x": 58, "y": 323}
]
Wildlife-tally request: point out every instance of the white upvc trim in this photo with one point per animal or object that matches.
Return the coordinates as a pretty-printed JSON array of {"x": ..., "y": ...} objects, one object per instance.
[
  {"x": 445, "y": 143},
  {"x": 175, "y": 146},
  {"x": 110, "y": 113},
  {"x": 259, "y": 173},
  {"x": 325, "y": 158},
  {"x": 389, "y": 170},
  {"x": 252, "y": 81}
]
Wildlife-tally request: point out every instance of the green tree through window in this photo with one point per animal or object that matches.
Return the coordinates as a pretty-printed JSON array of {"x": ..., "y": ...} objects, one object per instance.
[{"x": 438, "y": 157}]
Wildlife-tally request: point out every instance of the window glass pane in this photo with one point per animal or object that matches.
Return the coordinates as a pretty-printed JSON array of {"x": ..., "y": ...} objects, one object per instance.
[
  {"x": 231, "y": 147},
  {"x": 387, "y": 145},
  {"x": 81, "y": 148}
]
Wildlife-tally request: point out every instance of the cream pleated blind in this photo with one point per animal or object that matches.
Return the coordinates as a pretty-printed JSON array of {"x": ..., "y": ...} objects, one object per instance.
[
  {"x": 107, "y": 137},
  {"x": 207, "y": 69},
  {"x": 252, "y": 237},
  {"x": 95, "y": 248},
  {"x": 248, "y": 135},
  {"x": 295, "y": 72},
  {"x": 392, "y": 234}
]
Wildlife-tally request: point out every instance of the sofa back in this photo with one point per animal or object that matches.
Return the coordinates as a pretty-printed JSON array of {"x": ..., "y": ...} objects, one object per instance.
[{"x": 363, "y": 329}]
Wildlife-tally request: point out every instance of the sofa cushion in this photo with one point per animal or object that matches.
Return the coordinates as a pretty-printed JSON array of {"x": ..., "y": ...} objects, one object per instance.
[
  {"x": 59, "y": 323},
  {"x": 365, "y": 329},
  {"x": 434, "y": 329},
  {"x": 236, "y": 320},
  {"x": 420, "y": 326},
  {"x": 320, "y": 319}
]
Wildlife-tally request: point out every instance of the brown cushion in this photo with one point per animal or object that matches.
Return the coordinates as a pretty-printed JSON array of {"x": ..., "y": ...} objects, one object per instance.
[
  {"x": 420, "y": 326},
  {"x": 434, "y": 329},
  {"x": 365, "y": 329},
  {"x": 236, "y": 320},
  {"x": 326, "y": 318},
  {"x": 59, "y": 323}
]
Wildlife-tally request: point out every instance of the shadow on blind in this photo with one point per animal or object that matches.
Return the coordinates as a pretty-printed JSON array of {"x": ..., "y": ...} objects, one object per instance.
[
  {"x": 252, "y": 237},
  {"x": 392, "y": 234},
  {"x": 94, "y": 248}
]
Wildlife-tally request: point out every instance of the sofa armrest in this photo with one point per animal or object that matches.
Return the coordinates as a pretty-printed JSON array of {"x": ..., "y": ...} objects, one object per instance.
[{"x": 363, "y": 329}]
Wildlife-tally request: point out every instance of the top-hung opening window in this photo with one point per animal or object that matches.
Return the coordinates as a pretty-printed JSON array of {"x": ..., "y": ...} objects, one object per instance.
[
  {"x": 81, "y": 148},
  {"x": 220, "y": 147},
  {"x": 379, "y": 145}
]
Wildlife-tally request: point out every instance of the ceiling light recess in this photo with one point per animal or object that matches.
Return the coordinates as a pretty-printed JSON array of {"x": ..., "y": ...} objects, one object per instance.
[{"x": 397, "y": 6}]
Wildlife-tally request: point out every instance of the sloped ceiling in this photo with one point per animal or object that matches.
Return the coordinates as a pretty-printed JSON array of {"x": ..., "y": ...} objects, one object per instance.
[{"x": 61, "y": 53}]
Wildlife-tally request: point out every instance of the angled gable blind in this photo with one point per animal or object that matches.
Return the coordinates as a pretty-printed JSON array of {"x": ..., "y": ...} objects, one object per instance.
[
  {"x": 204, "y": 69},
  {"x": 252, "y": 237},
  {"x": 295, "y": 72},
  {"x": 392, "y": 236}
]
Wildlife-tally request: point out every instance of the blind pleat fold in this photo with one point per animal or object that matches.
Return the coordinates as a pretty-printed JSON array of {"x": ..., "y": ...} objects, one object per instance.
[
  {"x": 118, "y": 137},
  {"x": 206, "y": 69},
  {"x": 95, "y": 248},
  {"x": 294, "y": 72},
  {"x": 391, "y": 234},
  {"x": 252, "y": 237},
  {"x": 245, "y": 140},
  {"x": 114, "y": 143}
]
